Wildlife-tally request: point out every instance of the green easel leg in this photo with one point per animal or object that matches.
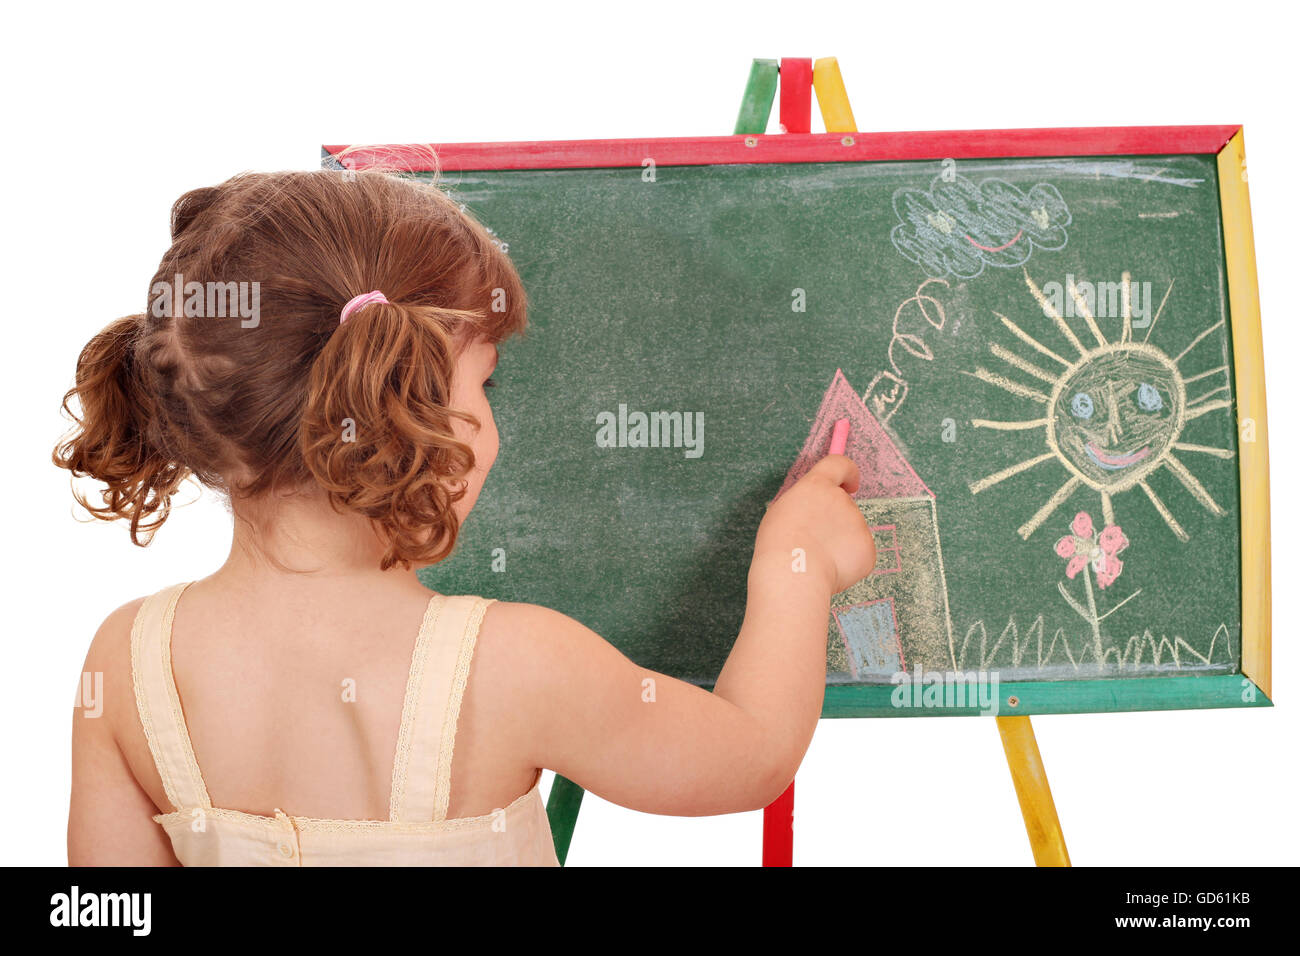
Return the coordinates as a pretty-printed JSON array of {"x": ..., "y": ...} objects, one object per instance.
[
  {"x": 562, "y": 810},
  {"x": 760, "y": 91}
]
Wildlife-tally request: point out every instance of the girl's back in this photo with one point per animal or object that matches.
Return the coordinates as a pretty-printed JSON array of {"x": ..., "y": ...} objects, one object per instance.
[
  {"x": 396, "y": 762},
  {"x": 295, "y": 700}
]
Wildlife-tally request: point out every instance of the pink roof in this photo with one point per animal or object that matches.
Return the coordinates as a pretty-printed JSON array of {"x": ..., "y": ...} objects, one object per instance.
[{"x": 885, "y": 472}]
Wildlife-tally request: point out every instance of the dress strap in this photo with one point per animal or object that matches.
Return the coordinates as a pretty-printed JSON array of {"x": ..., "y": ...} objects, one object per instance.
[
  {"x": 158, "y": 702},
  {"x": 425, "y": 743}
]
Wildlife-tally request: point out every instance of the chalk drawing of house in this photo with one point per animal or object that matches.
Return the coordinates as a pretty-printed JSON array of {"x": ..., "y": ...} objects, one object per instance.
[{"x": 897, "y": 617}]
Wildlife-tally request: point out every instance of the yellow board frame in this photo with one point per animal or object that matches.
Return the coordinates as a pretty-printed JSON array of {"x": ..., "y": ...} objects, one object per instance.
[{"x": 1252, "y": 416}]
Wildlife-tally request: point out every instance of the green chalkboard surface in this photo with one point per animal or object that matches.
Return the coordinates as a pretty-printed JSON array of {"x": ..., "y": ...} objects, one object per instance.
[{"x": 1036, "y": 358}]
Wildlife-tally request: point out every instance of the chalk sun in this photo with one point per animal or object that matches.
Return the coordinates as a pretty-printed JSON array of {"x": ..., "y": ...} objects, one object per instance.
[{"x": 1110, "y": 413}]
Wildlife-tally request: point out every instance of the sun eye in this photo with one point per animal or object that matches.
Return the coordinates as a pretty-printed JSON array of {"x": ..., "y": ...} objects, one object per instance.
[
  {"x": 1148, "y": 398},
  {"x": 1081, "y": 405}
]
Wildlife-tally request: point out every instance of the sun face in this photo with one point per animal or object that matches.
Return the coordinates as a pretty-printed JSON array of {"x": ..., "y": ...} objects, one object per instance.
[
  {"x": 1112, "y": 415},
  {"x": 1116, "y": 414}
]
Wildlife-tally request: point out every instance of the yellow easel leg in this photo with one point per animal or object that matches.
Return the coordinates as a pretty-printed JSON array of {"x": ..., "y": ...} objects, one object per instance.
[
  {"x": 831, "y": 96},
  {"x": 1030, "y": 779}
]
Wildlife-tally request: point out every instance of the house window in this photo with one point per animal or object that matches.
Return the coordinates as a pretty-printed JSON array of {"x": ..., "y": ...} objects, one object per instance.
[{"x": 888, "y": 559}]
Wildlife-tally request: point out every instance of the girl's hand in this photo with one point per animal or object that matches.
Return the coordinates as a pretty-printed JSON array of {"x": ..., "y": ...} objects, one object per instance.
[{"x": 818, "y": 516}]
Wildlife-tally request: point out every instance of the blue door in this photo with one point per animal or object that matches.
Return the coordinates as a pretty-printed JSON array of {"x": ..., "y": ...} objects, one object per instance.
[{"x": 870, "y": 634}]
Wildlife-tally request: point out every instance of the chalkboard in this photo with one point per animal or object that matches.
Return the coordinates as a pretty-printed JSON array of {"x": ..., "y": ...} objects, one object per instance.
[{"x": 1036, "y": 356}]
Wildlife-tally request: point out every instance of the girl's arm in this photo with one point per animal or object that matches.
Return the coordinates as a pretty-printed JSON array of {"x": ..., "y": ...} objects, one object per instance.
[
  {"x": 110, "y": 818},
  {"x": 653, "y": 743}
]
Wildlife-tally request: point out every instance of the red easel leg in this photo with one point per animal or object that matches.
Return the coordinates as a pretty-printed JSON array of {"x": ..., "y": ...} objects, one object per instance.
[{"x": 778, "y": 830}]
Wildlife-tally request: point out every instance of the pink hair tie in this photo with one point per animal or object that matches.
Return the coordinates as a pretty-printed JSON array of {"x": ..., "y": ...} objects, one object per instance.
[{"x": 360, "y": 301}]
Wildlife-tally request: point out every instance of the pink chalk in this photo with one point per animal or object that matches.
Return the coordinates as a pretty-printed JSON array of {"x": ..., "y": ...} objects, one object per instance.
[{"x": 840, "y": 437}]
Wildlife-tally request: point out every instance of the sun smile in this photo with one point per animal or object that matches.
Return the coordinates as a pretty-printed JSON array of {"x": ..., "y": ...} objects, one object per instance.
[
  {"x": 996, "y": 248},
  {"x": 1115, "y": 462}
]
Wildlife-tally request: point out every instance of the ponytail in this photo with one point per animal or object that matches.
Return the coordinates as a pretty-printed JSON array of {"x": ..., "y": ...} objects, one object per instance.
[
  {"x": 111, "y": 442},
  {"x": 377, "y": 432}
]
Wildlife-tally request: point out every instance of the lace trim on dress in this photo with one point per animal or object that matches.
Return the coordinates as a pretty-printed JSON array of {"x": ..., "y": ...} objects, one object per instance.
[
  {"x": 442, "y": 790},
  {"x": 410, "y": 704}
]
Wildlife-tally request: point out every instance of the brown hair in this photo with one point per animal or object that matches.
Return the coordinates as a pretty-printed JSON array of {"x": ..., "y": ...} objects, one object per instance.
[{"x": 254, "y": 407}]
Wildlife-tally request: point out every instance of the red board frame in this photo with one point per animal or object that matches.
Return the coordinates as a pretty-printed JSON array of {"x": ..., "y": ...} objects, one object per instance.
[{"x": 790, "y": 148}]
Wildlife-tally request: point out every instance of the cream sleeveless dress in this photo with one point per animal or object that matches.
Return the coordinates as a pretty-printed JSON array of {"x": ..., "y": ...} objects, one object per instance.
[{"x": 417, "y": 832}]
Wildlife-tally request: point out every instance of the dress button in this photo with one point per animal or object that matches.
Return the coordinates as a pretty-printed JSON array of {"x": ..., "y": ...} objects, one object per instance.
[{"x": 286, "y": 850}]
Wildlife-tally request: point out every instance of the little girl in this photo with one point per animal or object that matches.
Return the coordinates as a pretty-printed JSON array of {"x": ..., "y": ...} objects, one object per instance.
[{"x": 310, "y": 702}]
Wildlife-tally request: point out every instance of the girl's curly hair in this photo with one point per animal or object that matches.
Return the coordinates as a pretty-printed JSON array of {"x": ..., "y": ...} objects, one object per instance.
[{"x": 193, "y": 386}]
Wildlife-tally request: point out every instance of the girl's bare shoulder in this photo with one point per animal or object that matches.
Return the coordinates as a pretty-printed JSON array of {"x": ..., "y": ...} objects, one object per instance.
[
  {"x": 533, "y": 634},
  {"x": 107, "y": 691},
  {"x": 111, "y": 645},
  {"x": 527, "y": 651}
]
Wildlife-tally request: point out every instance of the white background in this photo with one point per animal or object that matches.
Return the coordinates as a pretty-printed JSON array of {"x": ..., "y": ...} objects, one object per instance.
[{"x": 111, "y": 111}]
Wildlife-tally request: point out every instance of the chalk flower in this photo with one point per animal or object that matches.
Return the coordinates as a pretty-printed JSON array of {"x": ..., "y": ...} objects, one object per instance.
[{"x": 1083, "y": 546}]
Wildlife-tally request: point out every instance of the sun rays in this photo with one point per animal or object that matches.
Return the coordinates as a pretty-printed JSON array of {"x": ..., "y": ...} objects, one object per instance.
[{"x": 1112, "y": 415}]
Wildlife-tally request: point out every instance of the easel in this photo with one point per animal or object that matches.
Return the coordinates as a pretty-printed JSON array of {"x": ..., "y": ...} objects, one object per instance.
[{"x": 797, "y": 78}]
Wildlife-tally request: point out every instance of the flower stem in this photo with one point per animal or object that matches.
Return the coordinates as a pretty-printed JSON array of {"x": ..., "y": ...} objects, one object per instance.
[{"x": 1094, "y": 620}]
